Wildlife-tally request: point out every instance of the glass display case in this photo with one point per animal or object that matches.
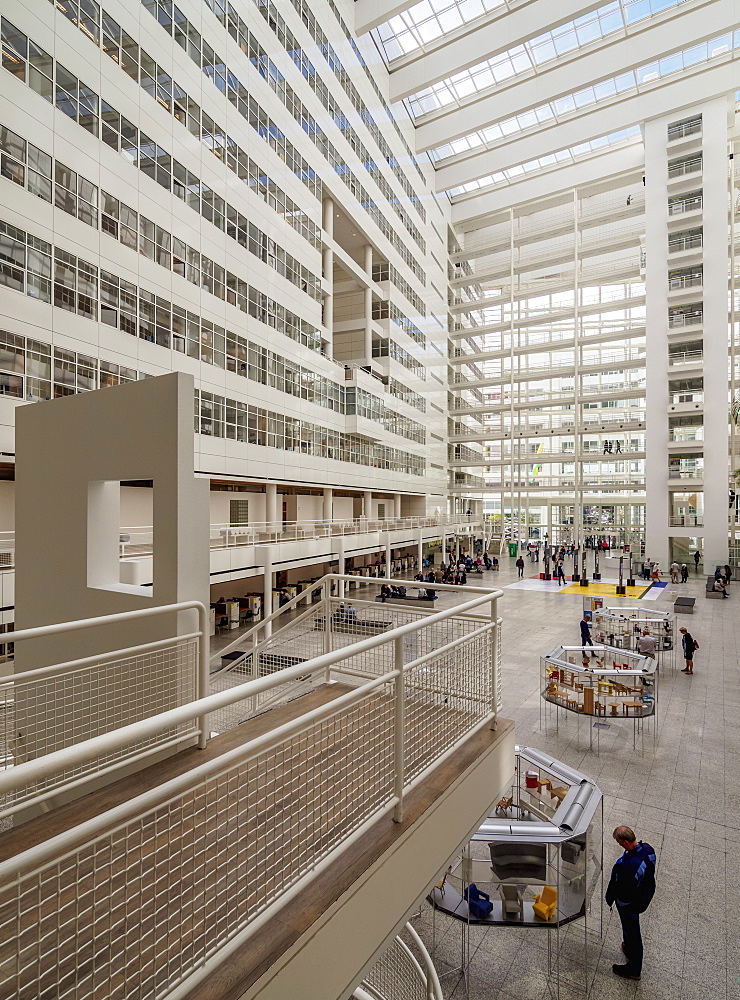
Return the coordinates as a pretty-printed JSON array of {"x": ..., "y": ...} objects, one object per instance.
[
  {"x": 537, "y": 856},
  {"x": 622, "y": 628},
  {"x": 601, "y": 681}
]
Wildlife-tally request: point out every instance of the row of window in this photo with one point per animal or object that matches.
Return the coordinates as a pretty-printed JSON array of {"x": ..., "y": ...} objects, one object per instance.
[
  {"x": 316, "y": 32},
  {"x": 401, "y": 391},
  {"x": 153, "y": 160},
  {"x": 175, "y": 23},
  {"x": 302, "y": 9},
  {"x": 25, "y": 265},
  {"x": 384, "y": 271},
  {"x": 32, "y": 370},
  {"x": 122, "y": 48},
  {"x": 365, "y": 404},
  {"x": 383, "y": 309},
  {"x": 160, "y": 85},
  {"x": 290, "y": 43},
  {"x": 217, "y": 416},
  {"x": 385, "y": 347},
  {"x": 28, "y": 264}
]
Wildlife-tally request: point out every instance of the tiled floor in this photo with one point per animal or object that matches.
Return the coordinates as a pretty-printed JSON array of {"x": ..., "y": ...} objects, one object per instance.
[{"x": 683, "y": 797}]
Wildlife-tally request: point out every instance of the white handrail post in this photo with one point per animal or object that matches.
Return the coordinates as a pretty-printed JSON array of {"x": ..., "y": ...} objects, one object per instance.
[
  {"x": 327, "y": 627},
  {"x": 398, "y": 730},
  {"x": 203, "y": 671},
  {"x": 495, "y": 623}
]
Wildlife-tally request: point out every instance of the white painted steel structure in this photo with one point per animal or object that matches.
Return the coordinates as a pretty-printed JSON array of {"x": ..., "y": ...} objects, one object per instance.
[{"x": 396, "y": 727}]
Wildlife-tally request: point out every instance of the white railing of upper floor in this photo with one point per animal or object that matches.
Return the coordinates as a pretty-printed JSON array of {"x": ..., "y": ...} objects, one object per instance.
[
  {"x": 137, "y": 541},
  {"x": 403, "y": 971},
  {"x": 691, "y": 166},
  {"x": 683, "y": 131},
  {"x": 680, "y": 207},
  {"x": 47, "y": 709},
  {"x": 681, "y": 281},
  {"x": 685, "y": 357},
  {"x": 212, "y": 855},
  {"x": 677, "y": 244}
]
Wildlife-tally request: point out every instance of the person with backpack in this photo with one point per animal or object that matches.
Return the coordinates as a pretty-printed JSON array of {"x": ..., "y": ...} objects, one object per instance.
[
  {"x": 631, "y": 887},
  {"x": 690, "y": 645}
]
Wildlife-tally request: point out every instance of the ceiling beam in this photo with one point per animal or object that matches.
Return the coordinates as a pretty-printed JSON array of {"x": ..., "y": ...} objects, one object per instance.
[
  {"x": 478, "y": 40},
  {"x": 603, "y": 60},
  {"x": 626, "y": 161},
  {"x": 662, "y": 97},
  {"x": 370, "y": 13}
]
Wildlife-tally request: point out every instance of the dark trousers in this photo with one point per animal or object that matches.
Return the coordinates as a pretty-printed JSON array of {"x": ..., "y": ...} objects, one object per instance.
[
  {"x": 632, "y": 938},
  {"x": 586, "y": 640},
  {"x": 521, "y": 570}
]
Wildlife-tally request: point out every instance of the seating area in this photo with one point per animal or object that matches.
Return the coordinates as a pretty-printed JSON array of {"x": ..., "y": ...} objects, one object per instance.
[
  {"x": 710, "y": 592},
  {"x": 408, "y": 599},
  {"x": 358, "y": 626}
]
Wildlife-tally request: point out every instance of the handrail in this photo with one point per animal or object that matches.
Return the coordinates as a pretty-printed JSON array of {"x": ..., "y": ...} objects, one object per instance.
[{"x": 40, "y": 768}]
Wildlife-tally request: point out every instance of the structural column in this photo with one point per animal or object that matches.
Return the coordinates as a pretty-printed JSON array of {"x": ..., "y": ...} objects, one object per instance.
[
  {"x": 271, "y": 504},
  {"x": 368, "y": 303},
  {"x": 388, "y": 555},
  {"x": 328, "y": 503},
  {"x": 328, "y": 274},
  {"x": 420, "y": 552},
  {"x": 397, "y": 505},
  {"x": 340, "y": 566},
  {"x": 367, "y": 504},
  {"x": 264, "y": 555}
]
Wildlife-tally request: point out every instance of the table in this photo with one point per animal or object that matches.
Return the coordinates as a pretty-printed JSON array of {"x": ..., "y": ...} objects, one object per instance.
[{"x": 627, "y": 705}]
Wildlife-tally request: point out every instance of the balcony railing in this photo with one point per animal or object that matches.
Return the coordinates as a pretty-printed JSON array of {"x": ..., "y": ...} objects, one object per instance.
[
  {"x": 686, "y": 397},
  {"x": 254, "y": 825},
  {"x": 676, "y": 245},
  {"x": 685, "y": 473},
  {"x": 685, "y": 205},
  {"x": 681, "y": 319},
  {"x": 685, "y": 167},
  {"x": 679, "y": 282},
  {"x": 404, "y": 970},
  {"x": 685, "y": 357},
  {"x": 686, "y": 520},
  {"x": 682, "y": 131}
]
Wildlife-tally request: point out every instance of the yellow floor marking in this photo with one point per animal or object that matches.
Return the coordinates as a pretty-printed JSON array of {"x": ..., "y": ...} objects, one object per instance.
[{"x": 596, "y": 589}]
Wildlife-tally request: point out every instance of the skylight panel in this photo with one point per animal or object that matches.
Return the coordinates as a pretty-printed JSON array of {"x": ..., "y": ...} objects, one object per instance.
[
  {"x": 565, "y": 105},
  {"x": 550, "y": 159},
  {"x": 565, "y": 38},
  {"x": 426, "y": 21}
]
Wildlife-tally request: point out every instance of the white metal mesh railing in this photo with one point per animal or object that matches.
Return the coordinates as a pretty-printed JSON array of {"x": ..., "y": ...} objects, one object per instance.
[
  {"x": 400, "y": 975},
  {"x": 135, "y": 901},
  {"x": 49, "y": 709}
]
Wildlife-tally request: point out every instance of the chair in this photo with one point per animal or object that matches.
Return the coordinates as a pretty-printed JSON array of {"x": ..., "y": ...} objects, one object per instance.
[
  {"x": 511, "y": 902},
  {"x": 504, "y": 805},
  {"x": 559, "y": 793},
  {"x": 546, "y": 903}
]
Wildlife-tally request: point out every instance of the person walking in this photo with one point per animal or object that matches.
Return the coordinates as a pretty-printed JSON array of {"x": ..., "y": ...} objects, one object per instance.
[
  {"x": 697, "y": 557},
  {"x": 675, "y": 569},
  {"x": 520, "y": 566},
  {"x": 684, "y": 573},
  {"x": 690, "y": 645},
  {"x": 631, "y": 887},
  {"x": 586, "y": 639},
  {"x": 560, "y": 573}
]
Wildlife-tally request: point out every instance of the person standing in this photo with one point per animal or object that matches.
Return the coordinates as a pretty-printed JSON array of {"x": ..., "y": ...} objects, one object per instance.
[
  {"x": 631, "y": 887},
  {"x": 675, "y": 569},
  {"x": 520, "y": 566},
  {"x": 586, "y": 639},
  {"x": 684, "y": 573},
  {"x": 697, "y": 557},
  {"x": 646, "y": 644},
  {"x": 560, "y": 573},
  {"x": 690, "y": 645}
]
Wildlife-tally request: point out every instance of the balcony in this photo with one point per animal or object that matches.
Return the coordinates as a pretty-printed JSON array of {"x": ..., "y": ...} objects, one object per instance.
[
  {"x": 685, "y": 318},
  {"x": 681, "y": 168},
  {"x": 682, "y": 206},
  {"x": 683, "y": 282},
  {"x": 679, "y": 244},
  {"x": 684, "y": 130},
  {"x": 686, "y": 520}
]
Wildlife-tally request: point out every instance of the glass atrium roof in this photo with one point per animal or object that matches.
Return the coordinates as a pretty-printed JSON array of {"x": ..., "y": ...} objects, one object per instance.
[
  {"x": 604, "y": 89},
  {"x": 570, "y": 155},
  {"x": 565, "y": 38},
  {"x": 427, "y": 21}
]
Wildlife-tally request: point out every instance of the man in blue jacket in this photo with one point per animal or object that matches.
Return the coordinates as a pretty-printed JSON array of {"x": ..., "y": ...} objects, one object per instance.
[{"x": 631, "y": 887}]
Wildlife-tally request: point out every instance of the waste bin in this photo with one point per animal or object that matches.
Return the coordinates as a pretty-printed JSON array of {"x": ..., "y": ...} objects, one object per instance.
[{"x": 513, "y": 549}]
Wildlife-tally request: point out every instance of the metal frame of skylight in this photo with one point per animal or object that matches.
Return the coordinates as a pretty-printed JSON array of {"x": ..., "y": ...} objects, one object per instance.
[
  {"x": 427, "y": 21},
  {"x": 554, "y": 111},
  {"x": 617, "y": 15}
]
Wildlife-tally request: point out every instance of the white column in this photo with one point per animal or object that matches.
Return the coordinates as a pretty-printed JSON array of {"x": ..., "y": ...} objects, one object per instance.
[
  {"x": 340, "y": 567},
  {"x": 388, "y": 555},
  {"x": 271, "y": 504},
  {"x": 367, "y": 504},
  {"x": 656, "y": 352},
  {"x": 420, "y": 552},
  {"x": 716, "y": 444},
  {"x": 368, "y": 304},
  {"x": 328, "y": 274},
  {"x": 265, "y": 555},
  {"x": 328, "y": 503},
  {"x": 397, "y": 505}
]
